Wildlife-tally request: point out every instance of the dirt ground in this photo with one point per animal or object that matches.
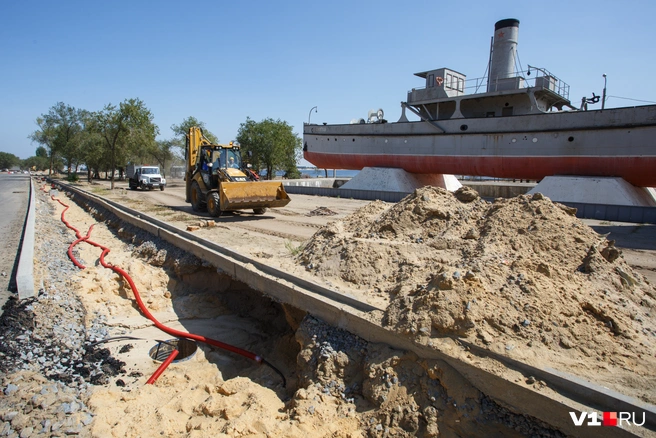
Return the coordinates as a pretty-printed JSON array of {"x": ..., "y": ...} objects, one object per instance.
[{"x": 522, "y": 277}]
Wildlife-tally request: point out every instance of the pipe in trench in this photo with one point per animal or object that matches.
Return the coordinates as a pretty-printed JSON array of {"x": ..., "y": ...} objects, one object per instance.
[
  {"x": 162, "y": 367},
  {"x": 142, "y": 306}
]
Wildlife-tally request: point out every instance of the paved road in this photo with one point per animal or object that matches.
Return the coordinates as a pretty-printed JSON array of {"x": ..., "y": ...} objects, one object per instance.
[{"x": 14, "y": 200}]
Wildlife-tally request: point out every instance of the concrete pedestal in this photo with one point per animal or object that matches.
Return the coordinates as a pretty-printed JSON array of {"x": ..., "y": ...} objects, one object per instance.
[
  {"x": 595, "y": 190},
  {"x": 398, "y": 180}
]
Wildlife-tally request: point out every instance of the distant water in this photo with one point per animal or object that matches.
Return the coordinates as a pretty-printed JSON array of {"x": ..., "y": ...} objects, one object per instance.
[
  {"x": 341, "y": 173},
  {"x": 321, "y": 173}
]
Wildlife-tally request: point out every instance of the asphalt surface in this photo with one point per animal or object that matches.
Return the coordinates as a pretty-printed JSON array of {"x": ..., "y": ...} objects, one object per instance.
[{"x": 14, "y": 199}]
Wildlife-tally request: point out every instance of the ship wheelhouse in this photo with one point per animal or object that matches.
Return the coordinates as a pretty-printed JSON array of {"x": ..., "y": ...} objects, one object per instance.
[{"x": 445, "y": 95}]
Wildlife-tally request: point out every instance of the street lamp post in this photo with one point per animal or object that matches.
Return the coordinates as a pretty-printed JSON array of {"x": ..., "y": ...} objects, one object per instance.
[
  {"x": 310, "y": 115},
  {"x": 603, "y": 95}
]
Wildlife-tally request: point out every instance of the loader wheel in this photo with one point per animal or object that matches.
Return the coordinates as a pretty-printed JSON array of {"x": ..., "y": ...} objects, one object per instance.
[
  {"x": 259, "y": 210},
  {"x": 214, "y": 204},
  {"x": 196, "y": 197}
]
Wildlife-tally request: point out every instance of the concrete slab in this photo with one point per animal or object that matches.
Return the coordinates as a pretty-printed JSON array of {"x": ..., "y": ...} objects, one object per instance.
[
  {"x": 25, "y": 272},
  {"x": 398, "y": 180},
  {"x": 595, "y": 190}
]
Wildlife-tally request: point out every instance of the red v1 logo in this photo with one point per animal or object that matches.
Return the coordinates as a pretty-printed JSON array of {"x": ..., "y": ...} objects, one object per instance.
[{"x": 608, "y": 419}]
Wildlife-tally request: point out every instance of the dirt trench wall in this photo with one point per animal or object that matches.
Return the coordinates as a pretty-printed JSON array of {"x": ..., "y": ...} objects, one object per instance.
[{"x": 395, "y": 393}]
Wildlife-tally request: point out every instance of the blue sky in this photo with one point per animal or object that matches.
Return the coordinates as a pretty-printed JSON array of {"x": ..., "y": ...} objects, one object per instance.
[{"x": 222, "y": 62}]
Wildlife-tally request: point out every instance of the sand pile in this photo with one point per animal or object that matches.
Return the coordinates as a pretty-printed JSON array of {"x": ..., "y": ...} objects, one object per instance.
[{"x": 520, "y": 276}]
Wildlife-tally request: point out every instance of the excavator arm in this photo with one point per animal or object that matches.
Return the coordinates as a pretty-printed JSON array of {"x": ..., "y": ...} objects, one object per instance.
[{"x": 195, "y": 139}]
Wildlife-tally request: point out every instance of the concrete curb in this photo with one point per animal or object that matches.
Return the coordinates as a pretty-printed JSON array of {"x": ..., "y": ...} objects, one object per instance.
[{"x": 25, "y": 272}]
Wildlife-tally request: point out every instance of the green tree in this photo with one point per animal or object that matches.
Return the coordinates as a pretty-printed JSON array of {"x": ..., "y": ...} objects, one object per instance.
[
  {"x": 180, "y": 131},
  {"x": 46, "y": 136},
  {"x": 161, "y": 153},
  {"x": 8, "y": 160},
  {"x": 273, "y": 144},
  {"x": 36, "y": 163},
  {"x": 41, "y": 152},
  {"x": 58, "y": 133},
  {"x": 94, "y": 154},
  {"x": 125, "y": 130},
  {"x": 70, "y": 129}
]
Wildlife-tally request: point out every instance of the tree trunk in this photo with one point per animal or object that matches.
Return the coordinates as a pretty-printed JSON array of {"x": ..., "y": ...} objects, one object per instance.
[{"x": 113, "y": 167}]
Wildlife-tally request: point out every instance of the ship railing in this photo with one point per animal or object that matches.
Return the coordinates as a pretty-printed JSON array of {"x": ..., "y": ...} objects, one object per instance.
[{"x": 534, "y": 77}]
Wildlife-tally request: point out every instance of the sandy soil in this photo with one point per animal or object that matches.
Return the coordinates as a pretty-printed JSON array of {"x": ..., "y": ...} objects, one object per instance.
[
  {"x": 522, "y": 277},
  {"x": 213, "y": 393}
]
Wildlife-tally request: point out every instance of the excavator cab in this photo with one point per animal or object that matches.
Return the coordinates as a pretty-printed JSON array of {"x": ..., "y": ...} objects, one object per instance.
[{"x": 218, "y": 180}]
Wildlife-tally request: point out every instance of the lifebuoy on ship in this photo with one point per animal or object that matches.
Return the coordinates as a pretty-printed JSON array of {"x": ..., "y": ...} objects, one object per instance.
[{"x": 439, "y": 80}]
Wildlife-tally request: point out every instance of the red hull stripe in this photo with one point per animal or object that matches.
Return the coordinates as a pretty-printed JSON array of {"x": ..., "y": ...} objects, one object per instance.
[{"x": 639, "y": 171}]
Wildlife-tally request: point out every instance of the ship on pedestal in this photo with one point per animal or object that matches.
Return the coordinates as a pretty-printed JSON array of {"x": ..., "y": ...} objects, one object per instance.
[{"x": 513, "y": 124}]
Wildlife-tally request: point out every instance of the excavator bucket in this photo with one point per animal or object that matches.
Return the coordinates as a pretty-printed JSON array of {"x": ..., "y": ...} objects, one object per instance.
[{"x": 252, "y": 195}]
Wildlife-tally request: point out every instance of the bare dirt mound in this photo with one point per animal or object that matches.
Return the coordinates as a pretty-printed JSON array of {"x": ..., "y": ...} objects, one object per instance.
[
  {"x": 388, "y": 392},
  {"x": 521, "y": 276}
]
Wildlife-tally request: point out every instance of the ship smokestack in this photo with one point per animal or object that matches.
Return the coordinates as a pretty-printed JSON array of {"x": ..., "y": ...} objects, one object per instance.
[{"x": 504, "y": 52}]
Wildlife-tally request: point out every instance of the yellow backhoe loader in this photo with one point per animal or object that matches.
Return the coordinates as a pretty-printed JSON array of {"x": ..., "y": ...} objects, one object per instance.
[{"x": 217, "y": 179}]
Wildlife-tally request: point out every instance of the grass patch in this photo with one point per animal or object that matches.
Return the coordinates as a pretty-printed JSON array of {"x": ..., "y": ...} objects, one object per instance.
[
  {"x": 157, "y": 208},
  {"x": 181, "y": 217},
  {"x": 102, "y": 191},
  {"x": 294, "y": 250}
]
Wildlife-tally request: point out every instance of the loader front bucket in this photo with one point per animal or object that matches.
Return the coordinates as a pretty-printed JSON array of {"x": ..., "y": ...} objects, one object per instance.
[{"x": 252, "y": 195}]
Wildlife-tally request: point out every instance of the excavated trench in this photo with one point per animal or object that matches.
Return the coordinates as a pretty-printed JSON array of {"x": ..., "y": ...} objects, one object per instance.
[{"x": 332, "y": 377}]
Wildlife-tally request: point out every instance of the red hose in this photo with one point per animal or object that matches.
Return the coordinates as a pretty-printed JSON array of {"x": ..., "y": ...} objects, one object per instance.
[
  {"x": 162, "y": 367},
  {"x": 80, "y": 238},
  {"x": 143, "y": 308}
]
